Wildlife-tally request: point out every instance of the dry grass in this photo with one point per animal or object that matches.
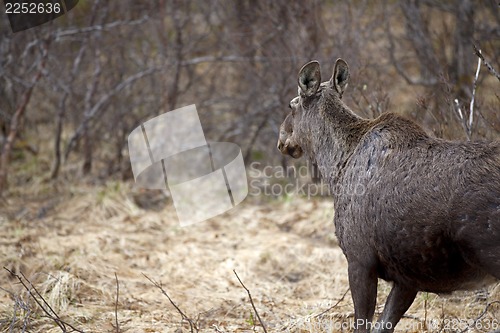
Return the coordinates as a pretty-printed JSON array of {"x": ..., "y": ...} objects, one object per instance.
[{"x": 71, "y": 242}]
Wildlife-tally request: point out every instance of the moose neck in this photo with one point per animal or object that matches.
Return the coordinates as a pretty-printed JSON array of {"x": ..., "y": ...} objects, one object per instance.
[{"x": 341, "y": 132}]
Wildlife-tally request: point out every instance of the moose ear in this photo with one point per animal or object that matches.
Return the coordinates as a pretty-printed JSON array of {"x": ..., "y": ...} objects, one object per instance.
[
  {"x": 309, "y": 78},
  {"x": 340, "y": 76}
]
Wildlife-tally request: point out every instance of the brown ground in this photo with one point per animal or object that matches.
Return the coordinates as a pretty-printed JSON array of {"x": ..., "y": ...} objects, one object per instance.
[{"x": 71, "y": 242}]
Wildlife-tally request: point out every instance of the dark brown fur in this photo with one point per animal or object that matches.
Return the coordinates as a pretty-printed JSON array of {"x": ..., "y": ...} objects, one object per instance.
[{"x": 427, "y": 213}]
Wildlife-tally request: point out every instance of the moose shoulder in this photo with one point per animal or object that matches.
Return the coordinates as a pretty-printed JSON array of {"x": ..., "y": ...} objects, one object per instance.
[{"x": 426, "y": 214}]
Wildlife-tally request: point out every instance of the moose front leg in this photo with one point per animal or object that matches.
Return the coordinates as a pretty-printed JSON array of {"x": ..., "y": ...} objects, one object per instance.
[
  {"x": 363, "y": 284},
  {"x": 399, "y": 300}
]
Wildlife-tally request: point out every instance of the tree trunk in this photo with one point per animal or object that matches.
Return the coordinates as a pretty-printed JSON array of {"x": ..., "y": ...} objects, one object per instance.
[{"x": 14, "y": 127}]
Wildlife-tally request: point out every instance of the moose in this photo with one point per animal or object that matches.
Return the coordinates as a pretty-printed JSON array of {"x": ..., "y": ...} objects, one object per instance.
[{"x": 428, "y": 215}]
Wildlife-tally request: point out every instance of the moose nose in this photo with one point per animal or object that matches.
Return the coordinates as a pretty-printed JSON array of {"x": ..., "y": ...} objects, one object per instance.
[{"x": 280, "y": 145}]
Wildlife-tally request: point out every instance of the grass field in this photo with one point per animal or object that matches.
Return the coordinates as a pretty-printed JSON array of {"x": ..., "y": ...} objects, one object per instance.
[{"x": 70, "y": 243}]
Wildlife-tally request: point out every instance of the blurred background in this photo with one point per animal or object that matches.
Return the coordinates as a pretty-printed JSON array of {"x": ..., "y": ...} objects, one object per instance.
[
  {"x": 71, "y": 91},
  {"x": 82, "y": 83}
]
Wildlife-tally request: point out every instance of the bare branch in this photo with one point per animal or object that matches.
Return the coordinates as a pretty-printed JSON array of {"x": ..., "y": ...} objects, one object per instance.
[
  {"x": 19, "y": 304},
  {"x": 102, "y": 101},
  {"x": 217, "y": 329},
  {"x": 192, "y": 325},
  {"x": 117, "y": 327},
  {"x": 228, "y": 58},
  {"x": 17, "y": 119},
  {"x": 474, "y": 86},
  {"x": 397, "y": 65},
  {"x": 42, "y": 303},
  {"x": 334, "y": 305},
  {"x": 62, "y": 111},
  {"x": 100, "y": 27},
  {"x": 441, "y": 5},
  {"x": 486, "y": 63},
  {"x": 460, "y": 115},
  {"x": 481, "y": 315},
  {"x": 418, "y": 33},
  {"x": 251, "y": 301}
]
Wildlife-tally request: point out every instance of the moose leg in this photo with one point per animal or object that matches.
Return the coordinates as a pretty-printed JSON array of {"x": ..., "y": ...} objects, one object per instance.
[
  {"x": 399, "y": 300},
  {"x": 363, "y": 284}
]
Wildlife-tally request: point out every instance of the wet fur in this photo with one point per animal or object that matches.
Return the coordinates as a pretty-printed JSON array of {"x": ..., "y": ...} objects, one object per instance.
[{"x": 428, "y": 217}]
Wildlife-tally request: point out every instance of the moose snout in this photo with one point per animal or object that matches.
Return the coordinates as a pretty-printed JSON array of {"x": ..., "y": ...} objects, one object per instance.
[
  {"x": 280, "y": 145},
  {"x": 287, "y": 148}
]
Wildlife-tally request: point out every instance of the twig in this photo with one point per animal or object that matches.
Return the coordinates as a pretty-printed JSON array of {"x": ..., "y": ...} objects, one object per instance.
[
  {"x": 100, "y": 27},
  {"x": 19, "y": 304},
  {"x": 459, "y": 110},
  {"x": 463, "y": 121},
  {"x": 57, "y": 318},
  {"x": 116, "y": 304},
  {"x": 486, "y": 63},
  {"x": 43, "y": 304},
  {"x": 192, "y": 325},
  {"x": 474, "y": 86},
  {"x": 251, "y": 301},
  {"x": 50, "y": 310},
  {"x": 217, "y": 329},
  {"x": 479, "y": 317},
  {"x": 226, "y": 58},
  {"x": 333, "y": 306}
]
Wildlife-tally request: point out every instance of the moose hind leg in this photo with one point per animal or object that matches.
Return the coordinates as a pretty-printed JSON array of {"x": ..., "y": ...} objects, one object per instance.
[
  {"x": 363, "y": 284},
  {"x": 399, "y": 300}
]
